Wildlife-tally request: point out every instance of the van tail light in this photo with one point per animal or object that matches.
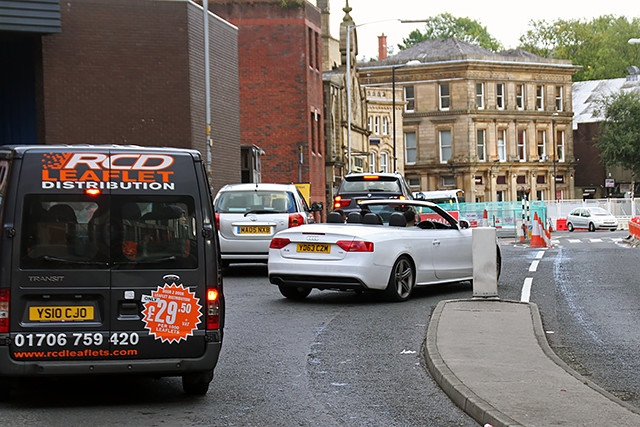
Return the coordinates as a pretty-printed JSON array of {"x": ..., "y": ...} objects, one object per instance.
[
  {"x": 278, "y": 243},
  {"x": 4, "y": 310},
  {"x": 295, "y": 219},
  {"x": 339, "y": 202},
  {"x": 213, "y": 309},
  {"x": 355, "y": 245}
]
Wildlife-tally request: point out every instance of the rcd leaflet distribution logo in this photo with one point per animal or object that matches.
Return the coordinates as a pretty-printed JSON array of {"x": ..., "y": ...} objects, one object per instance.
[{"x": 126, "y": 171}]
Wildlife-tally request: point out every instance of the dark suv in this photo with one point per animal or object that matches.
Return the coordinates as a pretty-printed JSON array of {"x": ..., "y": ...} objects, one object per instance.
[{"x": 365, "y": 186}]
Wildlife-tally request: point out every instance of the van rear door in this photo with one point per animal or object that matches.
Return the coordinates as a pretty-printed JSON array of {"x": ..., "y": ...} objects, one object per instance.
[{"x": 61, "y": 280}]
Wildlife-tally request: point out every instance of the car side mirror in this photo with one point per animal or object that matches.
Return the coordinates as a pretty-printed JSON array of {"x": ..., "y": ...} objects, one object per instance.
[
  {"x": 463, "y": 223},
  {"x": 317, "y": 207}
]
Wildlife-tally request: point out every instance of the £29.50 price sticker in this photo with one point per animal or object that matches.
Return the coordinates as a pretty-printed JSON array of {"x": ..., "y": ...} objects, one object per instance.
[{"x": 171, "y": 313}]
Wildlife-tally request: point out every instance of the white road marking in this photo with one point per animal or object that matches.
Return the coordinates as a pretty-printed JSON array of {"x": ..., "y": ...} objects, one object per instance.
[
  {"x": 534, "y": 266},
  {"x": 595, "y": 240},
  {"x": 540, "y": 254},
  {"x": 526, "y": 289},
  {"x": 574, "y": 240}
]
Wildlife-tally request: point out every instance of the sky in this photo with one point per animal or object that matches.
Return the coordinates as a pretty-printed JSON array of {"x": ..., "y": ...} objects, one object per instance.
[{"x": 505, "y": 20}]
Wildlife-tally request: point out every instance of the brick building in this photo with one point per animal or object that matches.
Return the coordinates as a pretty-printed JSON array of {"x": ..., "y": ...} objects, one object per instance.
[
  {"x": 593, "y": 179},
  {"x": 122, "y": 72},
  {"x": 280, "y": 60}
]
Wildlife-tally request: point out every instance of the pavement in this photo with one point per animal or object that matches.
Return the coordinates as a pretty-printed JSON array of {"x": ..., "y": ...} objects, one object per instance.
[{"x": 492, "y": 358}]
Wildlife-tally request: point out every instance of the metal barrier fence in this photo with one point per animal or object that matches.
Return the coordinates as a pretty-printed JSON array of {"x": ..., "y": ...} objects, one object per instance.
[{"x": 508, "y": 217}]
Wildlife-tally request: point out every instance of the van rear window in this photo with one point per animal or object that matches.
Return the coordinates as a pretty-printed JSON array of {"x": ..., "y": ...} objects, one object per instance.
[{"x": 126, "y": 232}]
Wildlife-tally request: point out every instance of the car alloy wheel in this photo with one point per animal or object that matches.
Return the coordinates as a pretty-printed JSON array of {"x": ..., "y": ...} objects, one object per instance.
[
  {"x": 570, "y": 226},
  {"x": 592, "y": 227},
  {"x": 401, "y": 280}
]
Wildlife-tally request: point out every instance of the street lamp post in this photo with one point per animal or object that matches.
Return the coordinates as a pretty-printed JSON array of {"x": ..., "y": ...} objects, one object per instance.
[
  {"x": 348, "y": 76},
  {"x": 555, "y": 154},
  {"x": 393, "y": 111},
  {"x": 207, "y": 87},
  {"x": 393, "y": 104}
]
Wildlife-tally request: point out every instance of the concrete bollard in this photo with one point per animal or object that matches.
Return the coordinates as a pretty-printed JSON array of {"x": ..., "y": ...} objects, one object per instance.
[{"x": 483, "y": 252}]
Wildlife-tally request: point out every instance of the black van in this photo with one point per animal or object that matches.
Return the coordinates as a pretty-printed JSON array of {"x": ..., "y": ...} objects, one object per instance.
[{"x": 109, "y": 264}]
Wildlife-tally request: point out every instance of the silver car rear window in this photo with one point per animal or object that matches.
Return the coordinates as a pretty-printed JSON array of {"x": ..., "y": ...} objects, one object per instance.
[{"x": 256, "y": 201}]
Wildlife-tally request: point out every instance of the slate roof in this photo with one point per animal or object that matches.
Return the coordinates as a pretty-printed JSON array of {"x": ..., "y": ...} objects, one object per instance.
[{"x": 451, "y": 49}]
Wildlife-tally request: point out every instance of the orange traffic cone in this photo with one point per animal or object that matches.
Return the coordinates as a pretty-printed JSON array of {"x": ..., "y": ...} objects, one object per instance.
[{"x": 536, "y": 239}]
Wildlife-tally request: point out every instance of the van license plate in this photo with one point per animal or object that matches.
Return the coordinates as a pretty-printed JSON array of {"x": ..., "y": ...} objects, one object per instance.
[
  {"x": 313, "y": 247},
  {"x": 73, "y": 313},
  {"x": 254, "y": 229}
]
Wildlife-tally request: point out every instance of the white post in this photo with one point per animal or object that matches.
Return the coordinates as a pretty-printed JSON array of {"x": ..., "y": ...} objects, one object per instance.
[{"x": 485, "y": 277}]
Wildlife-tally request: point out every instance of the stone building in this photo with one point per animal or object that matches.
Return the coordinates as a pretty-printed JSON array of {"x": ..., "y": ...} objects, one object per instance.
[
  {"x": 497, "y": 126},
  {"x": 345, "y": 126},
  {"x": 386, "y": 145}
]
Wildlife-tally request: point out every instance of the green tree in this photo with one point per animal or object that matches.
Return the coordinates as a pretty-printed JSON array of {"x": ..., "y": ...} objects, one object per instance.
[
  {"x": 619, "y": 136},
  {"x": 600, "y": 46},
  {"x": 445, "y": 25}
]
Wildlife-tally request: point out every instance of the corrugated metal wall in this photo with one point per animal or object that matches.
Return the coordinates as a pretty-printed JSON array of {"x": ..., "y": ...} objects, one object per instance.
[{"x": 32, "y": 16}]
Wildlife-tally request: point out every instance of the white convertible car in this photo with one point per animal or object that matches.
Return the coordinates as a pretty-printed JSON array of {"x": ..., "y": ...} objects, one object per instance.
[{"x": 389, "y": 247}]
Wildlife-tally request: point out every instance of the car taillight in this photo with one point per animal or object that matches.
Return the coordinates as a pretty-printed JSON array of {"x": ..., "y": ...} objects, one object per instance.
[
  {"x": 4, "y": 310},
  {"x": 278, "y": 243},
  {"x": 213, "y": 308},
  {"x": 295, "y": 219},
  {"x": 218, "y": 221},
  {"x": 339, "y": 202},
  {"x": 355, "y": 245},
  {"x": 402, "y": 198}
]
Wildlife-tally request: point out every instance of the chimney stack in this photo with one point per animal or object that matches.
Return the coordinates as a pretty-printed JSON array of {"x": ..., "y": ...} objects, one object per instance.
[{"x": 382, "y": 47}]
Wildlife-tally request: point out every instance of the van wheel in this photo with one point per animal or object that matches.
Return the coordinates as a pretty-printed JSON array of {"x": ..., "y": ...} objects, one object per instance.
[
  {"x": 294, "y": 292},
  {"x": 5, "y": 389},
  {"x": 5, "y": 393},
  {"x": 197, "y": 384}
]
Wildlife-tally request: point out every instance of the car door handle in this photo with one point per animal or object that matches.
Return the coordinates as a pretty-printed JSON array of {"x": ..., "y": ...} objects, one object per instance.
[{"x": 436, "y": 243}]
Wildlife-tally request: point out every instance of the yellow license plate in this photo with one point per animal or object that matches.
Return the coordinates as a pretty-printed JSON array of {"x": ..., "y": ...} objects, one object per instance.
[
  {"x": 255, "y": 229},
  {"x": 314, "y": 247},
  {"x": 71, "y": 313}
]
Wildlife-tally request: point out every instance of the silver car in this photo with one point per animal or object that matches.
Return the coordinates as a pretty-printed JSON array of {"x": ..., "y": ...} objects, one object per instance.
[
  {"x": 248, "y": 215},
  {"x": 592, "y": 219}
]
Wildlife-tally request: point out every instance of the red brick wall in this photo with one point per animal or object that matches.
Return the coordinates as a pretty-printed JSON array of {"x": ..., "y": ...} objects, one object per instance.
[
  {"x": 130, "y": 72},
  {"x": 589, "y": 170},
  {"x": 279, "y": 91}
]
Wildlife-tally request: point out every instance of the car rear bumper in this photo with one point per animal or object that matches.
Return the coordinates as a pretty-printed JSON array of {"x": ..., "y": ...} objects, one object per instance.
[
  {"x": 9, "y": 367},
  {"x": 328, "y": 275},
  {"x": 244, "y": 250}
]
